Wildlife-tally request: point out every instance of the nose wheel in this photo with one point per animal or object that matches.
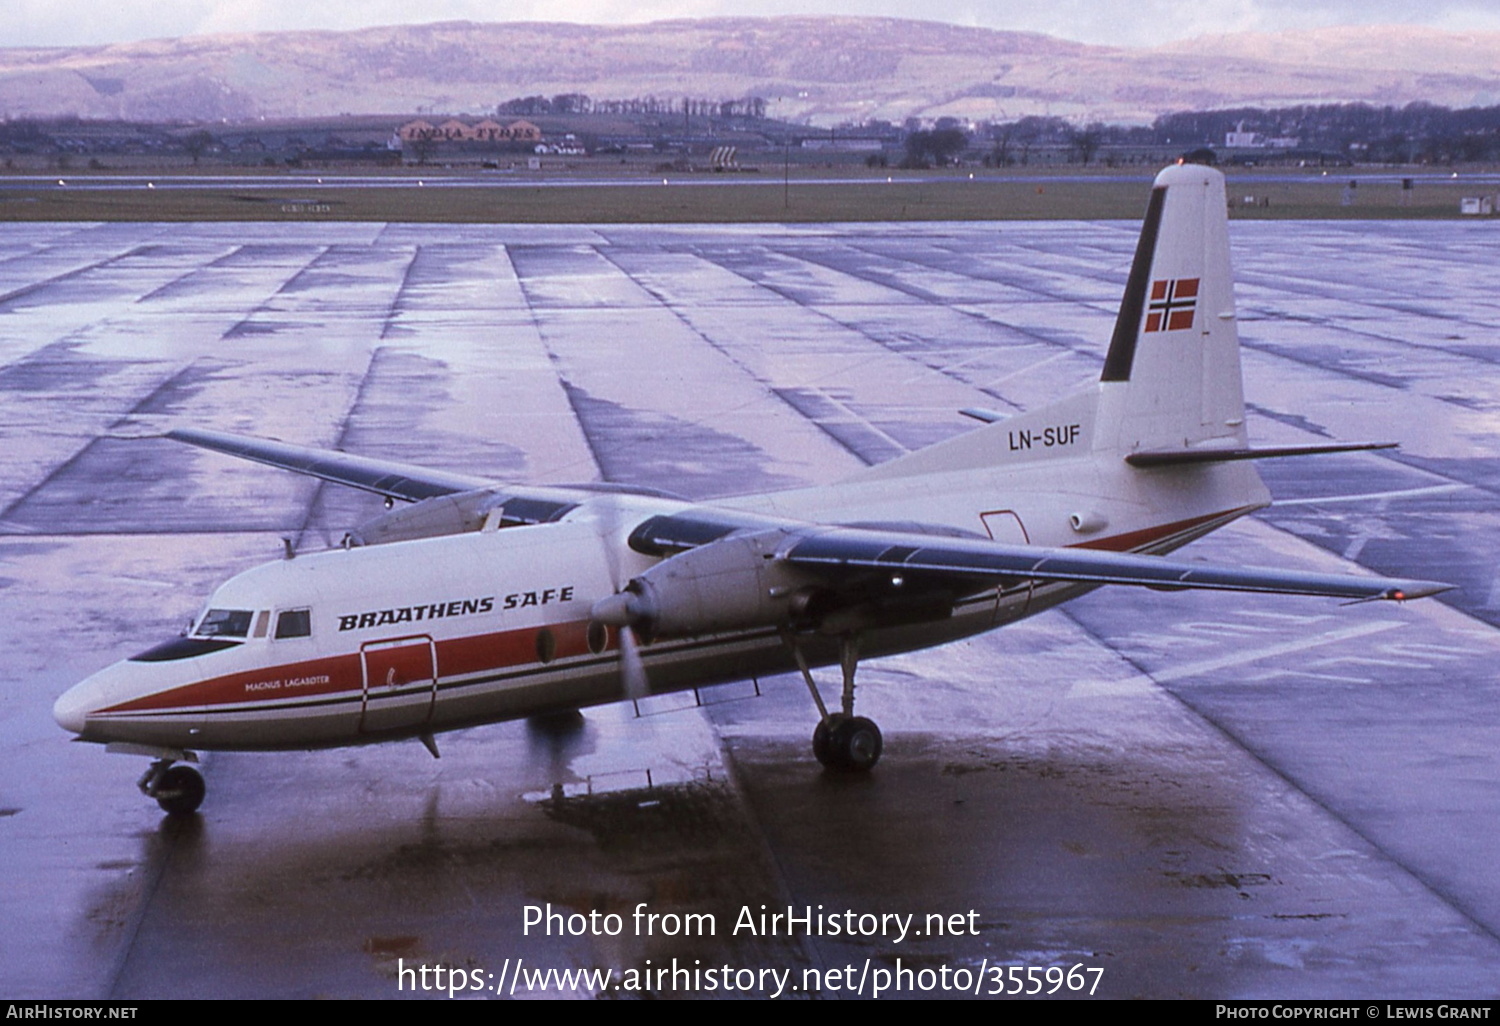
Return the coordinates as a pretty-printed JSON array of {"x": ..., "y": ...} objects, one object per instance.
[
  {"x": 841, "y": 740},
  {"x": 179, "y": 790}
]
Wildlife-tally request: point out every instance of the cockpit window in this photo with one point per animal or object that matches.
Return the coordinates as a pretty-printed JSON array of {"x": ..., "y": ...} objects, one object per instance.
[
  {"x": 294, "y": 623},
  {"x": 224, "y": 623},
  {"x": 182, "y": 648}
]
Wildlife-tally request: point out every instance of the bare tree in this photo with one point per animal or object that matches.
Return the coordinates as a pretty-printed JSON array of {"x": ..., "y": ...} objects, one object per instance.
[
  {"x": 1085, "y": 141},
  {"x": 197, "y": 143}
]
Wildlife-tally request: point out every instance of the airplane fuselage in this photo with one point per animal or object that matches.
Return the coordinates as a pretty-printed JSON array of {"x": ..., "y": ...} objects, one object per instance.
[{"x": 368, "y": 643}]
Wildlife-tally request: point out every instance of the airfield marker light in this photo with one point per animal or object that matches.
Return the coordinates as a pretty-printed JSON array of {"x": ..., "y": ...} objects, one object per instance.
[
  {"x": 61, "y": 182},
  {"x": 150, "y": 185}
]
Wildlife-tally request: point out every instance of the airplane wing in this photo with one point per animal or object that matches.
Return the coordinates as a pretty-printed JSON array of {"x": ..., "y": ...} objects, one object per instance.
[
  {"x": 933, "y": 557},
  {"x": 957, "y": 560},
  {"x": 383, "y": 477},
  {"x": 874, "y": 559}
]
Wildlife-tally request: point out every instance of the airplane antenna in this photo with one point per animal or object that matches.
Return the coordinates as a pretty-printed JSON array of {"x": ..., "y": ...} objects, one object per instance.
[{"x": 287, "y": 550}]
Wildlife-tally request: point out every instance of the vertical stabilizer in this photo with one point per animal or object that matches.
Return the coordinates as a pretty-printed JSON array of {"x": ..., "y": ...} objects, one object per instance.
[{"x": 1172, "y": 375}]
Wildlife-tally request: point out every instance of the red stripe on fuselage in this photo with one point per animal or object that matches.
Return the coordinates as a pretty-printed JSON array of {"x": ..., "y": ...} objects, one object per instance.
[
  {"x": 1134, "y": 540},
  {"x": 343, "y": 674},
  {"x": 329, "y": 675}
]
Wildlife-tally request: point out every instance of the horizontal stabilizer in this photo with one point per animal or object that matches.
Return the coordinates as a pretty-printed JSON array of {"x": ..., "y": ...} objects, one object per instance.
[
  {"x": 1180, "y": 457},
  {"x": 383, "y": 477}
]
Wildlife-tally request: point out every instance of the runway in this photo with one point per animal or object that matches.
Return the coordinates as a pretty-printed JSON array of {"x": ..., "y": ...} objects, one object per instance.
[
  {"x": 441, "y": 177},
  {"x": 1209, "y": 796}
]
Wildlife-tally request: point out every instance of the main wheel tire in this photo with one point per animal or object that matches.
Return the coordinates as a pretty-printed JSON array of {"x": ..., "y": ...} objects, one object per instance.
[
  {"x": 823, "y": 743},
  {"x": 180, "y": 791},
  {"x": 856, "y": 743}
]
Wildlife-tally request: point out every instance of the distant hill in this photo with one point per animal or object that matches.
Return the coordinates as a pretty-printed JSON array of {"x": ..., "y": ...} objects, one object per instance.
[{"x": 825, "y": 69}]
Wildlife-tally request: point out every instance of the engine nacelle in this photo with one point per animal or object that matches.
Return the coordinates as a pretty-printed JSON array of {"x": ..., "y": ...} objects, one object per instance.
[
  {"x": 460, "y": 513},
  {"x": 731, "y": 584},
  {"x": 430, "y": 518},
  {"x": 739, "y": 583}
]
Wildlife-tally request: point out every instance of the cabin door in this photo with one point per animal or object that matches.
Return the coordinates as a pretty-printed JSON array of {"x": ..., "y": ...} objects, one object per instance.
[
  {"x": 1004, "y": 526},
  {"x": 400, "y": 679}
]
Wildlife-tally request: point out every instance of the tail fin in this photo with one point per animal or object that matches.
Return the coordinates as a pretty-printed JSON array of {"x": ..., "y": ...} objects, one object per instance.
[{"x": 1171, "y": 377}]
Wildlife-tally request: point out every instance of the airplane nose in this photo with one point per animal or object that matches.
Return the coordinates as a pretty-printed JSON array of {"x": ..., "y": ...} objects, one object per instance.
[{"x": 72, "y": 708}]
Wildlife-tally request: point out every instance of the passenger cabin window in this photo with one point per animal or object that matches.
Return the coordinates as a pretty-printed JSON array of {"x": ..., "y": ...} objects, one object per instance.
[
  {"x": 294, "y": 623},
  {"x": 224, "y": 623}
]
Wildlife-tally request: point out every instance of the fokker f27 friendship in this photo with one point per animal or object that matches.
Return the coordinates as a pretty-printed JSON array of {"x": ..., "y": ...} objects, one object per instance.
[{"x": 482, "y": 602}]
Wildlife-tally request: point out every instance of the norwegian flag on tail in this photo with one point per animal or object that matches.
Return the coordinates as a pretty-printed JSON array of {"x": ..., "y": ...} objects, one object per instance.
[{"x": 1172, "y": 303}]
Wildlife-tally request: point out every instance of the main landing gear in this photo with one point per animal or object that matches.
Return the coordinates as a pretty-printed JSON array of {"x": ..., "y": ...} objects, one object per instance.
[
  {"x": 179, "y": 790},
  {"x": 842, "y": 740}
]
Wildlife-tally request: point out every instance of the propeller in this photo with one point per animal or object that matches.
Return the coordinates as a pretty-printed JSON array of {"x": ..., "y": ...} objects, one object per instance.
[
  {"x": 632, "y": 668},
  {"x": 624, "y": 610}
]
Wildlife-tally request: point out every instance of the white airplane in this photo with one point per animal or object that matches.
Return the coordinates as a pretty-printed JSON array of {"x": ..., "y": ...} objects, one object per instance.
[{"x": 484, "y": 602}]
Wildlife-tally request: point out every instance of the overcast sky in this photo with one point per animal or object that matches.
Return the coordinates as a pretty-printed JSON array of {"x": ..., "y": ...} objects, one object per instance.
[{"x": 1137, "y": 23}]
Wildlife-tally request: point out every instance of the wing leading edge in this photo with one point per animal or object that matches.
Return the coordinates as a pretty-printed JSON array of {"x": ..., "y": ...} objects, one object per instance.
[
  {"x": 383, "y": 477},
  {"x": 958, "y": 560}
]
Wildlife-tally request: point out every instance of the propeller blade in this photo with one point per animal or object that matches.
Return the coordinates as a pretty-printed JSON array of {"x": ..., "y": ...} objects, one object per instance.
[{"x": 632, "y": 668}]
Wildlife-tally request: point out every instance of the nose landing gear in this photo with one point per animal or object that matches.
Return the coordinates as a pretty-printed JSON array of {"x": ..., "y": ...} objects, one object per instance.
[{"x": 179, "y": 790}]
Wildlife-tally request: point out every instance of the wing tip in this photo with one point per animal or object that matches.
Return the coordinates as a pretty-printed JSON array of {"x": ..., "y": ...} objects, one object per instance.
[{"x": 1404, "y": 590}]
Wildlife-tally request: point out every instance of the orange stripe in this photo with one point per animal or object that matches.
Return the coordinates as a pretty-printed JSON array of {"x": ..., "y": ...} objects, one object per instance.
[
  {"x": 457, "y": 657},
  {"x": 1133, "y": 540}
]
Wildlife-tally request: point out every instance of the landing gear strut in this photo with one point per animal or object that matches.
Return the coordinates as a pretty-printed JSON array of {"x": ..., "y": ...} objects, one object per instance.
[
  {"x": 179, "y": 790},
  {"x": 842, "y": 740}
]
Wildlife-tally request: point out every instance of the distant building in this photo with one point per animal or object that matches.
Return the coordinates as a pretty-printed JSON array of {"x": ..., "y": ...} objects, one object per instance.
[
  {"x": 523, "y": 131},
  {"x": 489, "y": 130},
  {"x": 845, "y": 144},
  {"x": 414, "y": 130},
  {"x": 1238, "y": 138},
  {"x": 454, "y": 130},
  {"x": 454, "y": 136}
]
